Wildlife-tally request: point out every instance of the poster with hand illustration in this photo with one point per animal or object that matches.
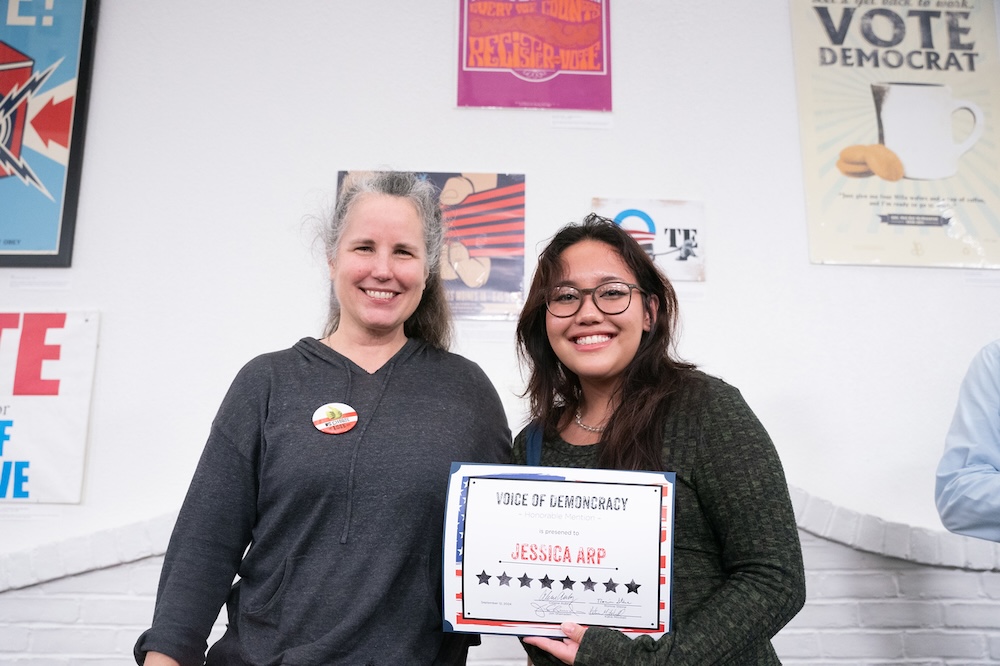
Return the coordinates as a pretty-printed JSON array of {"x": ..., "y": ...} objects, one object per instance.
[
  {"x": 899, "y": 115},
  {"x": 482, "y": 262}
]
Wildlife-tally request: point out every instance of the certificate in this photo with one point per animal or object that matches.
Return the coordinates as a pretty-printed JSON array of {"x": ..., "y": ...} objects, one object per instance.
[{"x": 527, "y": 548}]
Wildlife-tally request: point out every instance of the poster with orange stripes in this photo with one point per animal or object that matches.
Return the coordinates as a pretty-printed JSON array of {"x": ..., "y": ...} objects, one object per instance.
[
  {"x": 482, "y": 263},
  {"x": 527, "y": 548}
]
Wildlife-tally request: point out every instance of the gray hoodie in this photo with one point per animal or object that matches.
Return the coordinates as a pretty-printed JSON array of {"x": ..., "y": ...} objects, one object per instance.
[{"x": 344, "y": 530}]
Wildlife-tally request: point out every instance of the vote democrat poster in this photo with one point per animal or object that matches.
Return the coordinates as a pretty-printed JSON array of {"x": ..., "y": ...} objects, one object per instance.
[
  {"x": 899, "y": 112},
  {"x": 46, "y": 375}
]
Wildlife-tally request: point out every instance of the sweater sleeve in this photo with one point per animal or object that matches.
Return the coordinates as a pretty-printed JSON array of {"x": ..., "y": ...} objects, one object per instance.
[
  {"x": 212, "y": 530},
  {"x": 742, "y": 489}
]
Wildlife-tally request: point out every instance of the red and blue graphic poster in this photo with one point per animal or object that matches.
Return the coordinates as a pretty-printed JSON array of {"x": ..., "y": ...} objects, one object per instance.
[
  {"x": 45, "y": 56},
  {"x": 46, "y": 375},
  {"x": 482, "y": 263},
  {"x": 551, "y": 54}
]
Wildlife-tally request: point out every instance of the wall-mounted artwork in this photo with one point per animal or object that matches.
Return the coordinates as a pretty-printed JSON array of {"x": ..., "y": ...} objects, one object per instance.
[
  {"x": 46, "y": 378},
  {"x": 46, "y": 52},
  {"x": 899, "y": 112},
  {"x": 671, "y": 231},
  {"x": 548, "y": 54},
  {"x": 483, "y": 259}
]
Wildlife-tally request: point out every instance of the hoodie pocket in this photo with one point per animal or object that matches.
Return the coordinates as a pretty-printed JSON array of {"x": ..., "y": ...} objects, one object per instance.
[{"x": 307, "y": 611}]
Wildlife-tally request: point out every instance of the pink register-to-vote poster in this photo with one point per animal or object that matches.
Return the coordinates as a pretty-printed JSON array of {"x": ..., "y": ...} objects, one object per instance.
[{"x": 549, "y": 54}]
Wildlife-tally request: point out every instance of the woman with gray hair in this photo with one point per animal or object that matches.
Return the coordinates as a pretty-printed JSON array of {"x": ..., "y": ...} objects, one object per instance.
[{"x": 322, "y": 484}]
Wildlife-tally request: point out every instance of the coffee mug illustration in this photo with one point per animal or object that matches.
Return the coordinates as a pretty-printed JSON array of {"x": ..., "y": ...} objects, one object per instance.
[{"x": 915, "y": 121}]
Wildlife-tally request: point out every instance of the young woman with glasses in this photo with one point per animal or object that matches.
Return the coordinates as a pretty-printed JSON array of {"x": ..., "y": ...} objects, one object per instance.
[{"x": 606, "y": 389}]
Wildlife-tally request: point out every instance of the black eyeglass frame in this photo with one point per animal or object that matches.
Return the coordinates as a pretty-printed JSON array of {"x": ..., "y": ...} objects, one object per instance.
[{"x": 593, "y": 297}]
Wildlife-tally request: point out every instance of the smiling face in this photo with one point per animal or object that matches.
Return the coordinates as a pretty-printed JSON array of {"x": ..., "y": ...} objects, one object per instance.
[
  {"x": 380, "y": 267},
  {"x": 597, "y": 347}
]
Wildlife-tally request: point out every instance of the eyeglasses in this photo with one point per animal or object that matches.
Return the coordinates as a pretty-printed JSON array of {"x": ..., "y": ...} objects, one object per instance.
[{"x": 611, "y": 298}]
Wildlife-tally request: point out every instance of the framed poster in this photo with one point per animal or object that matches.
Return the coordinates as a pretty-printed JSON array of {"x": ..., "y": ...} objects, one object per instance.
[
  {"x": 46, "y": 58},
  {"x": 899, "y": 113},
  {"x": 551, "y": 54},
  {"x": 527, "y": 548}
]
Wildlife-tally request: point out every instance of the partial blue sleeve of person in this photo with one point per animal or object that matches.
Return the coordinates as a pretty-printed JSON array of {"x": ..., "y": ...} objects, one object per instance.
[{"x": 968, "y": 477}]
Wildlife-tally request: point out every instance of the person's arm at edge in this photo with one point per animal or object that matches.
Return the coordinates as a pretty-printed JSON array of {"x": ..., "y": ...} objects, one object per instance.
[
  {"x": 967, "y": 489},
  {"x": 212, "y": 529}
]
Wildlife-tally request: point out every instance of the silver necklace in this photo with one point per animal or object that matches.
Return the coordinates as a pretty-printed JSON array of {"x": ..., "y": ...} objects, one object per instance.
[{"x": 576, "y": 419}]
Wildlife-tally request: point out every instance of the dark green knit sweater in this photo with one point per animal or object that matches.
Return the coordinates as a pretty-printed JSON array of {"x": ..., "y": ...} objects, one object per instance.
[{"x": 738, "y": 574}]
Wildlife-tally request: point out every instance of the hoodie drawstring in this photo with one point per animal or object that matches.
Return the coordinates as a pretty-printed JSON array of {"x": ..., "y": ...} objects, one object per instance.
[{"x": 357, "y": 444}]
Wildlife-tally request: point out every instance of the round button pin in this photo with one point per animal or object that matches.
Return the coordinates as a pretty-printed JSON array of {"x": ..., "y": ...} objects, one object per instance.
[{"x": 334, "y": 418}]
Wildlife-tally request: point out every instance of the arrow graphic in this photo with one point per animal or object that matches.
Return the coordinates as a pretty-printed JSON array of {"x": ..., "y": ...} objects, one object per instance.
[{"x": 53, "y": 122}]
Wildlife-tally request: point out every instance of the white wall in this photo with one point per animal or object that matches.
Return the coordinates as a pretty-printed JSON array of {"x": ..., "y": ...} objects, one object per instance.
[{"x": 216, "y": 131}]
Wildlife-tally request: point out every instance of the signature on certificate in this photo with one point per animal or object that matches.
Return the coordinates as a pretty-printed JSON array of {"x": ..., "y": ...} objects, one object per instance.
[
  {"x": 611, "y": 608},
  {"x": 555, "y": 603}
]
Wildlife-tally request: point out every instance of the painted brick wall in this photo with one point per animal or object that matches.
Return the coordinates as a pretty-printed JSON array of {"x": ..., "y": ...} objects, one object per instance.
[
  {"x": 866, "y": 608},
  {"x": 878, "y": 593}
]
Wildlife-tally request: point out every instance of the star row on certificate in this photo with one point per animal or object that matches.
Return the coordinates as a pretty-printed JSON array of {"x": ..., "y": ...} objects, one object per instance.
[{"x": 567, "y": 583}]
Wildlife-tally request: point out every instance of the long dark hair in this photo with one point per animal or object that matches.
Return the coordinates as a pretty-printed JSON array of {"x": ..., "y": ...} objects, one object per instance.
[
  {"x": 432, "y": 319},
  {"x": 633, "y": 438}
]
